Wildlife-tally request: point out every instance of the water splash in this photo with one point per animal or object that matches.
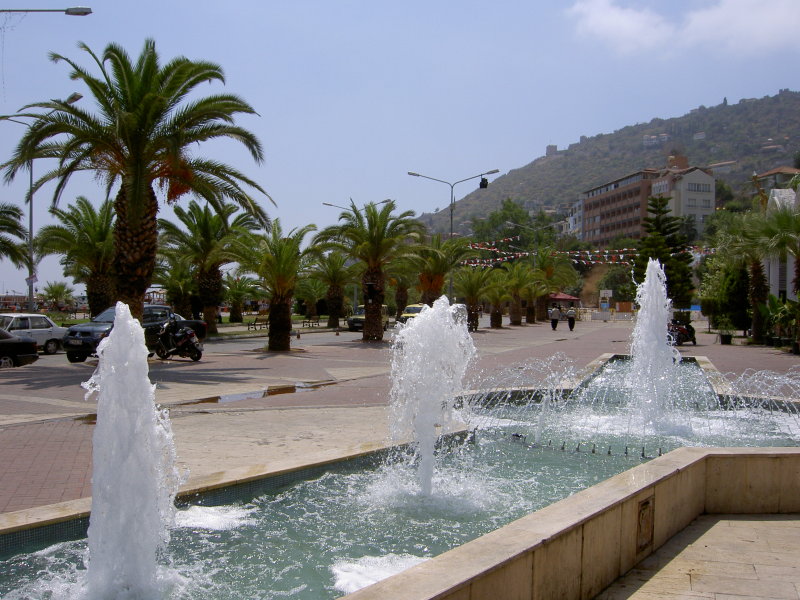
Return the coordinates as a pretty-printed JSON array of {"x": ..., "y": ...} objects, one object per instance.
[
  {"x": 134, "y": 479},
  {"x": 430, "y": 356},
  {"x": 655, "y": 360}
]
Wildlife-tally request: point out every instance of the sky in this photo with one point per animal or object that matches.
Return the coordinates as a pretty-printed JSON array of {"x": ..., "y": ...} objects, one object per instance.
[{"x": 351, "y": 95}]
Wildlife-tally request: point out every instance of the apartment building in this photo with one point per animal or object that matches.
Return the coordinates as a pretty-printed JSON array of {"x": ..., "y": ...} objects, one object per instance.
[
  {"x": 618, "y": 208},
  {"x": 691, "y": 194}
]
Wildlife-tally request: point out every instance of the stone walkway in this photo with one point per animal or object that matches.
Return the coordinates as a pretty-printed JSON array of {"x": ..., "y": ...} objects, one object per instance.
[{"x": 721, "y": 557}]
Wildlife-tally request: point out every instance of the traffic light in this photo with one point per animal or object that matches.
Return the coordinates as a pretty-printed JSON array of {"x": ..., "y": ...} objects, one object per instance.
[{"x": 484, "y": 183}]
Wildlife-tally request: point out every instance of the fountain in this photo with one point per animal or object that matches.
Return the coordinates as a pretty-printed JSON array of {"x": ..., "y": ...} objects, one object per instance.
[
  {"x": 360, "y": 524},
  {"x": 429, "y": 359}
]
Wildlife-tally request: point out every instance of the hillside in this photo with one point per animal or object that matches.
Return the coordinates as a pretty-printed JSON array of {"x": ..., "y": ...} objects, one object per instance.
[{"x": 756, "y": 134}]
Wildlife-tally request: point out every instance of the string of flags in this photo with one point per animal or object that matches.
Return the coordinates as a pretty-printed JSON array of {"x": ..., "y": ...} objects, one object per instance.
[{"x": 623, "y": 256}]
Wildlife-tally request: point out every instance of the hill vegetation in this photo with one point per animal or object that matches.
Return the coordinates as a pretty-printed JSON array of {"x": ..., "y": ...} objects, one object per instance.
[{"x": 752, "y": 135}]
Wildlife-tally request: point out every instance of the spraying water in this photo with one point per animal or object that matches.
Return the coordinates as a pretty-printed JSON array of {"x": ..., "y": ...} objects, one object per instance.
[
  {"x": 653, "y": 371},
  {"x": 429, "y": 359},
  {"x": 134, "y": 479}
]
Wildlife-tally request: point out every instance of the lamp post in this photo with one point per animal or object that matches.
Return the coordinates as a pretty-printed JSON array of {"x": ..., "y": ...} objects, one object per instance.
[
  {"x": 483, "y": 185},
  {"x": 75, "y": 11},
  {"x": 31, "y": 279}
]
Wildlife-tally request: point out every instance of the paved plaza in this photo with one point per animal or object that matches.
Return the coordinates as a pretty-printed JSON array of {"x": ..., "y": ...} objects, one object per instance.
[{"x": 322, "y": 400}]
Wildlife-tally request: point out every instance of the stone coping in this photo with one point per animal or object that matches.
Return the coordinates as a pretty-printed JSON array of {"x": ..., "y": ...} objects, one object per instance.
[{"x": 577, "y": 547}]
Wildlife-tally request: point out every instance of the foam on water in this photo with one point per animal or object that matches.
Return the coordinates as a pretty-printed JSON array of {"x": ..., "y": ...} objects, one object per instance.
[{"x": 351, "y": 576}]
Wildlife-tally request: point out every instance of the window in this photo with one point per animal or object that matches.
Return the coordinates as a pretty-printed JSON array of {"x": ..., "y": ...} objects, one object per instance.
[
  {"x": 691, "y": 202},
  {"x": 698, "y": 187},
  {"x": 706, "y": 202},
  {"x": 39, "y": 323}
]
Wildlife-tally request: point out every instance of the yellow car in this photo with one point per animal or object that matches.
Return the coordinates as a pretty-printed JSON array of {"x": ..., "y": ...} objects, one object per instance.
[{"x": 410, "y": 311}]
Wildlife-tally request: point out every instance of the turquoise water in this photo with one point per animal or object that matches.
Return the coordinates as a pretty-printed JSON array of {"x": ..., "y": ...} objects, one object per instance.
[{"x": 327, "y": 536}]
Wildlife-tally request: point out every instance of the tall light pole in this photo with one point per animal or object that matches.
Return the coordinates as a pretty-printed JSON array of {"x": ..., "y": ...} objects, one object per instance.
[
  {"x": 31, "y": 279},
  {"x": 483, "y": 185},
  {"x": 75, "y": 11}
]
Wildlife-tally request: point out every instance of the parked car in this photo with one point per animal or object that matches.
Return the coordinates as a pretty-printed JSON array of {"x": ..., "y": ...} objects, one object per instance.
[
  {"x": 355, "y": 322},
  {"x": 41, "y": 328},
  {"x": 410, "y": 311},
  {"x": 17, "y": 351},
  {"x": 81, "y": 341}
]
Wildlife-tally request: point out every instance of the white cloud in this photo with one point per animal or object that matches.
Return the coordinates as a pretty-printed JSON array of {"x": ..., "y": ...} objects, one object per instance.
[
  {"x": 746, "y": 27},
  {"x": 740, "y": 27}
]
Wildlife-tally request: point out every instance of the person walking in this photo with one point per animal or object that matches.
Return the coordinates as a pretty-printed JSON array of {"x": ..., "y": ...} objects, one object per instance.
[
  {"x": 571, "y": 316},
  {"x": 555, "y": 316}
]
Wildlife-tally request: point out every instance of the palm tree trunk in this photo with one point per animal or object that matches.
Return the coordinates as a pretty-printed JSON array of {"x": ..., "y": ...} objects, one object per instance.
[
  {"x": 135, "y": 245},
  {"x": 515, "y": 311},
  {"x": 99, "y": 292},
  {"x": 473, "y": 316},
  {"x": 280, "y": 324},
  {"x": 335, "y": 303},
  {"x": 372, "y": 284},
  {"x": 400, "y": 299},
  {"x": 210, "y": 290},
  {"x": 236, "y": 312},
  {"x": 759, "y": 289},
  {"x": 530, "y": 312}
]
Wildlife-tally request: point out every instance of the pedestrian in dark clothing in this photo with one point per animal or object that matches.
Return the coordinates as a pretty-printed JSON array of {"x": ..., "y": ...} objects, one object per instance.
[{"x": 571, "y": 316}]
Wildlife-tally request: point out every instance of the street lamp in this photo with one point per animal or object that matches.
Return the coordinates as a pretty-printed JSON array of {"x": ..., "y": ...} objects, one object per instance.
[
  {"x": 483, "y": 185},
  {"x": 75, "y": 11},
  {"x": 31, "y": 279}
]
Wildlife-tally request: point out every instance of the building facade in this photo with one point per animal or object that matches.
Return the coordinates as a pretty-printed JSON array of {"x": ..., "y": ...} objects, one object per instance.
[{"x": 617, "y": 209}]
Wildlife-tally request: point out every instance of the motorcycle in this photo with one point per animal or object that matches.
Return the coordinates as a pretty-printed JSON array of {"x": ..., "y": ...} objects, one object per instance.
[
  {"x": 681, "y": 333},
  {"x": 182, "y": 341}
]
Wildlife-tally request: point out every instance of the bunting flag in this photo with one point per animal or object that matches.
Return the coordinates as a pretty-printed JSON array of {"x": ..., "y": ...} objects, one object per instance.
[{"x": 622, "y": 256}]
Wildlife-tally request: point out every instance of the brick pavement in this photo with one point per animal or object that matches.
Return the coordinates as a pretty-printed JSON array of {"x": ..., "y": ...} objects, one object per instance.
[{"x": 48, "y": 461}]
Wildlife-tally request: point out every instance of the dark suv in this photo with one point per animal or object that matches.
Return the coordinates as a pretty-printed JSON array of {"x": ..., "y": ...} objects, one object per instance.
[{"x": 81, "y": 341}]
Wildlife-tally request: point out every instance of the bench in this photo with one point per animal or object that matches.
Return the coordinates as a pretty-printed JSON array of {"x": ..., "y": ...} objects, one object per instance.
[
  {"x": 257, "y": 324},
  {"x": 312, "y": 322}
]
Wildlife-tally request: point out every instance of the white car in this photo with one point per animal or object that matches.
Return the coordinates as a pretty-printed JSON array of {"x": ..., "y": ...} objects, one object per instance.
[{"x": 41, "y": 328}]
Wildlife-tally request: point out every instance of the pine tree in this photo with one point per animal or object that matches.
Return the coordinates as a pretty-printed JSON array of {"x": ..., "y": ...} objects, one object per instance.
[{"x": 664, "y": 242}]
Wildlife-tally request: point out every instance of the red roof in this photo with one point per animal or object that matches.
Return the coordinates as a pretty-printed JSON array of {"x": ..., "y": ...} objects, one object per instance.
[{"x": 562, "y": 296}]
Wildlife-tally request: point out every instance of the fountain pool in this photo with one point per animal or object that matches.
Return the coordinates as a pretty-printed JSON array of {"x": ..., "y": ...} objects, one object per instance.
[{"x": 333, "y": 534}]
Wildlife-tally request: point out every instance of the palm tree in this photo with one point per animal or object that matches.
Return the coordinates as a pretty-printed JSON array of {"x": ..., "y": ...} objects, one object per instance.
[
  {"x": 375, "y": 237},
  {"x": 497, "y": 296},
  {"x": 11, "y": 227},
  {"x": 85, "y": 239},
  {"x": 473, "y": 284},
  {"x": 435, "y": 260},
  {"x": 238, "y": 289},
  {"x": 402, "y": 275},
  {"x": 780, "y": 234},
  {"x": 206, "y": 244},
  {"x": 278, "y": 259},
  {"x": 331, "y": 268},
  {"x": 310, "y": 290},
  {"x": 519, "y": 282},
  {"x": 177, "y": 278},
  {"x": 149, "y": 116},
  {"x": 742, "y": 240},
  {"x": 58, "y": 294}
]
